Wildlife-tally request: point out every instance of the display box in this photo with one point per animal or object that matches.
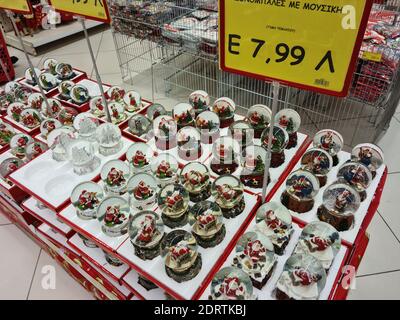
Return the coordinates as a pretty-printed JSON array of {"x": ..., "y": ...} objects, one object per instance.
[{"x": 130, "y": 280}]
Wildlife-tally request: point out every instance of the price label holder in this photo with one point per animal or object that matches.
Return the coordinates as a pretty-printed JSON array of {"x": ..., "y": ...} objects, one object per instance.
[
  {"x": 17, "y": 6},
  {"x": 90, "y": 9},
  {"x": 308, "y": 44},
  {"x": 372, "y": 56}
]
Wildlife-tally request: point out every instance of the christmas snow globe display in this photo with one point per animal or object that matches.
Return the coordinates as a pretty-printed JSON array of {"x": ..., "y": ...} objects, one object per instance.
[
  {"x": 208, "y": 124},
  {"x": 319, "y": 162},
  {"x": 184, "y": 115},
  {"x": 79, "y": 94},
  {"x": 331, "y": 141},
  {"x": 301, "y": 187},
  {"x": 155, "y": 110},
  {"x": 255, "y": 256},
  {"x": 58, "y": 141},
  {"x": 14, "y": 110},
  {"x": 242, "y": 132},
  {"x": 8, "y": 166},
  {"x": 113, "y": 214},
  {"x": 165, "y": 130},
  {"x": 64, "y": 71},
  {"x": 253, "y": 163},
  {"x": 200, "y": 101},
  {"x": 30, "y": 118},
  {"x": 117, "y": 112},
  {"x": 320, "y": 240},
  {"x": 6, "y": 133},
  {"x": 35, "y": 101},
  {"x": 189, "y": 146},
  {"x": 142, "y": 189},
  {"x": 207, "y": 224},
  {"x": 50, "y": 66},
  {"x": 18, "y": 144},
  {"x": 47, "y": 81},
  {"x": 48, "y": 126},
  {"x": 196, "y": 179},
  {"x": 275, "y": 222},
  {"x": 86, "y": 125},
  {"x": 139, "y": 156},
  {"x": 280, "y": 139},
  {"x": 133, "y": 101},
  {"x": 97, "y": 107},
  {"x": 164, "y": 167},
  {"x": 86, "y": 198},
  {"x": 356, "y": 175},
  {"x": 146, "y": 232},
  {"x": 109, "y": 138},
  {"x": 225, "y": 156},
  {"x": 225, "y": 109},
  {"x": 303, "y": 278},
  {"x": 182, "y": 259},
  {"x": 116, "y": 93},
  {"x": 289, "y": 120},
  {"x": 29, "y": 76},
  {"x": 67, "y": 116},
  {"x": 81, "y": 154},
  {"x": 35, "y": 149},
  {"x": 140, "y": 126},
  {"x": 64, "y": 89},
  {"x": 231, "y": 283},
  {"x": 259, "y": 117},
  {"x": 53, "y": 110},
  {"x": 340, "y": 203},
  {"x": 369, "y": 155},
  {"x": 115, "y": 175},
  {"x": 173, "y": 200},
  {"x": 227, "y": 191}
]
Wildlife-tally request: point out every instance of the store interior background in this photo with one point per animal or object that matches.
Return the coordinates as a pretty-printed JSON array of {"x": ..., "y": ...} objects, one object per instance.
[{"x": 23, "y": 261}]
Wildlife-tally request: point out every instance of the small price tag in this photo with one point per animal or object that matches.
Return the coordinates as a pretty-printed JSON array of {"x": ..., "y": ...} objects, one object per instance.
[
  {"x": 372, "y": 56},
  {"x": 90, "y": 9},
  {"x": 17, "y": 6}
]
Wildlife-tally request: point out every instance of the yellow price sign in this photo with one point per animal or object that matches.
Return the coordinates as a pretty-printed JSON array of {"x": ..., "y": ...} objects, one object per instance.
[
  {"x": 18, "y": 6},
  {"x": 372, "y": 56},
  {"x": 90, "y": 9},
  {"x": 309, "y": 44}
]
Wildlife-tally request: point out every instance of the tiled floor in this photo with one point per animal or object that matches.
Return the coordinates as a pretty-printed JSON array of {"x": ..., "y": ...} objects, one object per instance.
[{"x": 22, "y": 261}]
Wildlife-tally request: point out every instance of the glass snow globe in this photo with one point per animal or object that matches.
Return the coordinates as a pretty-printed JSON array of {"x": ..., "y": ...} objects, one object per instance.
[
  {"x": 200, "y": 101},
  {"x": 356, "y": 175},
  {"x": 133, "y": 101},
  {"x": 115, "y": 175},
  {"x": 253, "y": 164},
  {"x": 142, "y": 189},
  {"x": 86, "y": 125},
  {"x": 195, "y": 178},
  {"x": 109, "y": 138},
  {"x": 59, "y": 140},
  {"x": 242, "y": 132},
  {"x": 85, "y": 198},
  {"x": 164, "y": 167},
  {"x": 318, "y": 162},
  {"x": 280, "y": 139},
  {"x": 184, "y": 115},
  {"x": 369, "y": 155},
  {"x": 331, "y": 141},
  {"x": 289, "y": 120},
  {"x": 259, "y": 117},
  {"x": 81, "y": 154},
  {"x": 208, "y": 124},
  {"x": 140, "y": 126},
  {"x": 225, "y": 109},
  {"x": 189, "y": 146},
  {"x": 113, "y": 214},
  {"x": 225, "y": 156},
  {"x": 165, "y": 130},
  {"x": 139, "y": 156}
]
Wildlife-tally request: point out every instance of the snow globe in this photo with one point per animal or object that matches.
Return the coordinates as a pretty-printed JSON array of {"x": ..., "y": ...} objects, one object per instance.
[
  {"x": 133, "y": 101},
  {"x": 117, "y": 112},
  {"x": 242, "y": 132},
  {"x": 155, "y": 110},
  {"x": 58, "y": 141},
  {"x": 64, "y": 71},
  {"x": 369, "y": 155},
  {"x": 14, "y": 111},
  {"x": 173, "y": 201},
  {"x": 164, "y": 167},
  {"x": 97, "y": 108},
  {"x": 331, "y": 141},
  {"x": 196, "y": 179},
  {"x": 142, "y": 189},
  {"x": 79, "y": 94},
  {"x": 182, "y": 259},
  {"x": 81, "y": 154},
  {"x": 29, "y": 76},
  {"x": 225, "y": 109},
  {"x": 319, "y": 162},
  {"x": 227, "y": 191},
  {"x": 64, "y": 89},
  {"x": 67, "y": 116},
  {"x": 53, "y": 110},
  {"x": 116, "y": 93},
  {"x": 85, "y": 198},
  {"x": 301, "y": 188},
  {"x": 34, "y": 149},
  {"x": 8, "y": 166},
  {"x": 109, "y": 138},
  {"x": 206, "y": 220},
  {"x": 165, "y": 130},
  {"x": 113, "y": 215},
  {"x": 208, "y": 124},
  {"x": 48, "y": 125},
  {"x": 184, "y": 115},
  {"x": 253, "y": 163},
  {"x": 6, "y": 133},
  {"x": 30, "y": 118},
  {"x": 139, "y": 156},
  {"x": 320, "y": 240},
  {"x": 225, "y": 156},
  {"x": 259, "y": 117},
  {"x": 50, "y": 65},
  {"x": 47, "y": 81},
  {"x": 356, "y": 175},
  {"x": 115, "y": 175},
  {"x": 146, "y": 231},
  {"x": 200, "y": 101},
  {"x": 280, "y": 139},
  {"x": 189, "y": 146},
  {"x": 86, "y": 125},
  {"x": 18, "y": 144},
  {"x": 289, "y": 120},
  {"x": 140, "y": 126},
  {"x": 35, "y": 101}
]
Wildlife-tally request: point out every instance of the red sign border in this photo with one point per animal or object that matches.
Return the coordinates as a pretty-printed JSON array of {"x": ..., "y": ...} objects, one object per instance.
[
  {"x": 20, "y": 11},
  {"x": 106, "y": 20},
  {"x": 350, "y": 70}
]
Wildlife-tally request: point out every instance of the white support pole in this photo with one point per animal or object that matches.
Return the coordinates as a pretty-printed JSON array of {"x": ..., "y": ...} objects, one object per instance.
[
  {"x": 275, "y": 100},
  {"x": 96, "y": 71},
  {"x": 21, "y": 41}
]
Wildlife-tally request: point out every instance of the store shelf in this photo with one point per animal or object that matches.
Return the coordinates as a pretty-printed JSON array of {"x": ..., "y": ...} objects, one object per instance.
[{"x": 45, "y": 37}]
